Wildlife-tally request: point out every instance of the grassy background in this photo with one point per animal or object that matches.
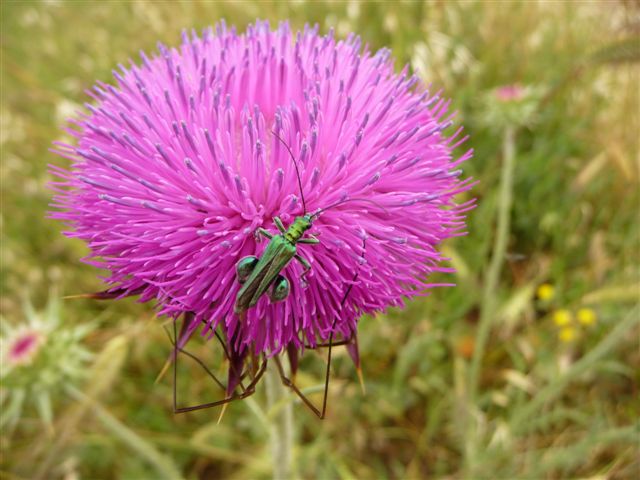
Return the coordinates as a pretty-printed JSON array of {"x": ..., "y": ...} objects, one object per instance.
[{"x": 543, "y": 407}]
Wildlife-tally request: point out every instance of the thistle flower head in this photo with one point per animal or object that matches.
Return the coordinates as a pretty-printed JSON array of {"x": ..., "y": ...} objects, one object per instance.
[
  {"x": 511, "y": 105},
  {"x": 178, "y": 163},
  {"x": 40, "y": 357},
  {"x": 23, "y": 347},
  {"x": 508, "y": 93}
]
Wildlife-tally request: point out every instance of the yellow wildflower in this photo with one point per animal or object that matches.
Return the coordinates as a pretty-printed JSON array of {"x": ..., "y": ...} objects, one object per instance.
[
  {"x": 545, "y": 292},
  {"x": 567, "y": 334},
  {"x": 586, "y": 316},
  {"x": 562, "y": 317}
]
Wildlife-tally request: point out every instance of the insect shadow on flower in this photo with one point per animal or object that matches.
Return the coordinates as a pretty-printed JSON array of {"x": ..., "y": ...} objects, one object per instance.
[{"x": 259, "y": 276}]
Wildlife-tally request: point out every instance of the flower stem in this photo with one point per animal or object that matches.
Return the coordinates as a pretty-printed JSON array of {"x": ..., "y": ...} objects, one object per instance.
[
  {"x": 489, "y": 302},
  {"x": 489, "y": 297},
  {"x": 281, "y": 424}
]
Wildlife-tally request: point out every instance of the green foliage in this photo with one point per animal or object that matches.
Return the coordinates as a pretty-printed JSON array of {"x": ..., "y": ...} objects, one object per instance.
[{"x": 543, "y": 403}]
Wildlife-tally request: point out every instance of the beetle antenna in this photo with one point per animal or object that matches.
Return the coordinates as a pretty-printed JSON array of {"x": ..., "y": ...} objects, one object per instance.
[
  {"x": 345, "y": 200},
  {"x": 295, "y": 164}
]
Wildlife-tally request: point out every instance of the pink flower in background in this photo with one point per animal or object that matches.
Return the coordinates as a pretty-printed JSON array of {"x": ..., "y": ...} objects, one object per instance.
[
  {"x": 510, "y": 93},
  {"x": 175, "y": 167},
  {"x": 23, "y": 347}
]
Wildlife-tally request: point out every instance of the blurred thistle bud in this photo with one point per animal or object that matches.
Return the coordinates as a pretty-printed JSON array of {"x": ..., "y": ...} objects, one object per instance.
[
  {"x": 510, "y": 93},
  {"x": 40, "y": 357},
  {"x": 511, "y": 106}
]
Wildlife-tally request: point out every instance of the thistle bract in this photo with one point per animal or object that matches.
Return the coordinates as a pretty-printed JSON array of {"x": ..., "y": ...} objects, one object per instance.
[{"x": 176, "y": 165}]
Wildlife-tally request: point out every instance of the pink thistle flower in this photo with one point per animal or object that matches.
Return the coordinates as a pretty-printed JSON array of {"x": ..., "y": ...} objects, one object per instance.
[
  {"x": 176, "y": 167},
  {"x": 510, "y": 93},
  {"x": 23, "y": 347}
]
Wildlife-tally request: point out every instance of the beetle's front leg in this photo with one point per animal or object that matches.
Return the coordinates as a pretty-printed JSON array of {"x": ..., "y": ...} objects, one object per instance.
[
  {"x": 264, "y": 233},
  {"x": 279, "y": 224},
  {"x": 307, "y": 269}
]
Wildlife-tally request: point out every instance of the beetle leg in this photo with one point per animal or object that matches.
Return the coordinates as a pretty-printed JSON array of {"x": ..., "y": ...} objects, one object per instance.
[
  {"x": 250, "y": 390},
  {"x": 264, "y": 233},
  {"x": 307, "y": 269},
  {"x": 279, "y": 224},
  {"x": 288, "y": 383},
  {"x": 256, "y": 374},
  {"x": 310, "y": 240}
]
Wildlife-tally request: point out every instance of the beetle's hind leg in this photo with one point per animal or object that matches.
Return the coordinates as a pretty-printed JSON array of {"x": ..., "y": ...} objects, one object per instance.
[
  {"x": 245, "y": 392},
  {"x": 250, "y": 390},
  {"x": 287, "y": 382}
]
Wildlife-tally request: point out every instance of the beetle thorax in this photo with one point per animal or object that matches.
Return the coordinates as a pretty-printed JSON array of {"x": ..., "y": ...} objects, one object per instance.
[{"x": 297, "y": 228}]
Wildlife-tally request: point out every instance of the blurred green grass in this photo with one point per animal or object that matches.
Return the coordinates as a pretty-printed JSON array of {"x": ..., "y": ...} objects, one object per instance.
[{"x": 545, "y": 408}]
